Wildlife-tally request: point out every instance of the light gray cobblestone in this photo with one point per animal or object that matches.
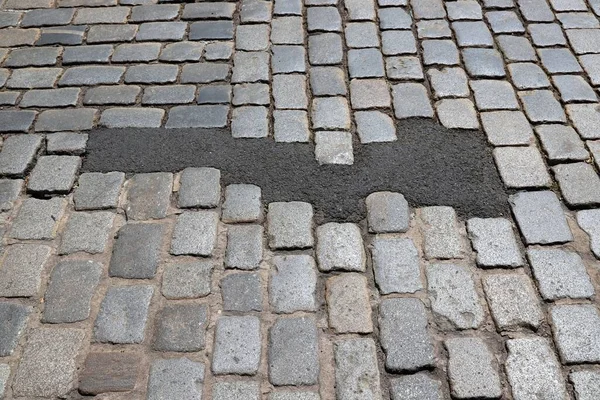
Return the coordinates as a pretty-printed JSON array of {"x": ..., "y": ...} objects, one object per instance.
[
  {"x": 87, "y": 232},
  {"x": 293, "y": 284},
  {"x": 356, "y": 375},
  {"x": 21, "y": 272},
  {"x": 348, "y": 304},
  {"x": 38, "y": 219},
  {"x": 237, "y": 346},
  {"x": 195, "y": 233},
  {"x": 187, "y": 280},
  {"x": 442, "y": 238},
  {"x": 396, "y": 265},
  {"x": 290, "y": 225},
  {"x": 494, "y": 241}
]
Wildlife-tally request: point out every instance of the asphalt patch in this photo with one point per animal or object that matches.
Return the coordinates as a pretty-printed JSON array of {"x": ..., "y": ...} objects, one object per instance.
[{"x": 429, "y": 165}]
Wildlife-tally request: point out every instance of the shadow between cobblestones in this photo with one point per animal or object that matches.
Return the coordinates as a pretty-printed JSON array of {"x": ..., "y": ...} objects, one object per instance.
[{"x": 429, "y": 165}]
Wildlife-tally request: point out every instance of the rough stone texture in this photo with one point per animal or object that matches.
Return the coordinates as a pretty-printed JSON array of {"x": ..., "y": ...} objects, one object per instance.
[
  {"x": 356, "y": 374},
  {"x": 340, "y": 247},
  {"x": 236, "y": 390},
  {"x": 495, "y": 243},
  {"x": 242, "y": 203},
  {"x": 579, "y": 184},
  {"x": 9, "y": 192},
  {"x": 540, "y": 217},
  {"x": 513, "y": 301},
  {"x": 396, "y": 265},
  {"x": 47, "y": 367},
  {"x": 522, "y": 167},
  {"x": 38, "y": 219},
  {"x": 200, "y": 187},
  {"x": 123, "y": 315},
  {"x": 471, "y": 369},
  {"x": 20, "y": 274},
  {"x": 70, "y": 291},
  {"x": 453, "y": 296},
  {"x": 586, "y": 384},
  {"x": 180, "y": 327},
  {"x": 293, "y": 352},
  {"x": 14, "y": 320},
  {"x": 136, "y": 253},
  {"x": 149, "y": 195},
  {"x": 5, "y": 374},
  {"x": 334, "y": 147},
  {"x": 374, "y": 126},
  {"x": 348, "y": 304},
  {"x": 533, "y": 371},
  {"x": 293, "y": 284},
  {"x": 53, "y": 174},
  {"x": 195, "y": 233},
  {"x": 411, "y": 100},
  {"x": 241, "y": 292},
  {"x": 561, "y": 143},
  {"x": 18, "y": 153},
  {"x": 244, "y": 247},
  {"x": 290, "y": 225},
  {"x": 109, "y": 372},
  {"x": 237, "y": 346},
  {"x": 577, "y": 332},
  {"x": 98, "y": 191},
  {"x": 387, "y": 212},
  {"x": 415, "y": 387},
  {"x": 589, "y": 221},
  {"x": 441, "y": 233},
  {"x": 187, "y": 280},
  {"x": 585, "y": 118},
  {"x": 66, "y": 143},
  {"x": 175, "y": 378},
  {"x": 560, "y": 274},
  {"x": 88, "y": 232},
  {"x": 407, "y": 345}
]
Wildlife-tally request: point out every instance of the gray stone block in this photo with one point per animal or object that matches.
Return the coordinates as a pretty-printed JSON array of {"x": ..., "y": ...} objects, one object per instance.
[
  {"x": 516, "y": 48},
  {"x": 348, "y": 304},
  {"x": 91, "y": 75},
  {"x": 157, "y": 73},
  {"x": 411, "y": 100},
  {"x": 109, "y": 372},
  {"x": 365, "y": 63},
  {"x": 14, "y": 320},
  {"x": 252, "y": 37},
  {"x": 330, "y": 113},
  {"x": 483, "y": 63},
  {"x": 149, "y": 196},
  {"x": 21, "y": 272},
  {"x": 48, "y": 365},
  {"x": 237, "y": 346},
  {"x": 132, "y": 117},
  {"x": 374, "y": 126},
  {"x": 182, "y": 51},
  {"x": 293, "y": 284},
  {"x": 53, "y": 174},
  {"x": 256, "y": 11},
  {"x": 18, "y": 153},
  {"x": 504, "y": 22},
  {"x": 287, "y": 30},
  {"x": 441, "y": 232},
  {"x": 250, "y": 122},
  {"x": 398, "y": 42},
  {"x": 494, "y": 95},
  {"x": 542, "y": 106},
  {"x": 66, "y": 143},
  {"x": 154, "y": 12},
  {"x": 241, "y": 292},
  {"x": 576, "y": 330},
  {"x": 136, "y": 253},
  {"x": 291, "y": 126},
  {"x": 415, "y": 387},
  {"x": 5, "y": 370},
  {"x": 122, "y": 95},
  {"x": 396, "y": 265},
  {"x": 137, "y": 52},
  {"x": 326, "y": 19},
  {"x": 448, "y": 82},
  {"x": 505, "y": 128},
  {"x": 161, "y": 31},
  {"x": 209, "y": 116},
  {"x": 111, "y": 33},
  {"x": 81, "y": 119},
  {"x": 289, "y": 91},
  {"x": 195, "y": 233},
  {"x": 340, "y": 247},
  {"x": 234, "y": 390},
  {"x": 356, "y": 373},
  {"x": 325, "y": 49},
  {"x": 495, "y": 243},
  {"x": 96, "y": 190},
  {"x": 369, "y": 93},
  {"x": 200, "y": 187},
  {"x": 70, "y": 291},
  {"x": 293, "y": 352},
  {"x": 211, "y": 30},
  {"x": 453, "y": 296},
  {"x": 187, "y": 280},
  {"x": 333, "y": 147},
  {"x": 579, "y": 184},
  {"x": 288, "y": 59},
  {"x": 586, "y": 384},
  {"x": 327, "y": 81},
  {"x": 559, "y": 60},
  {"x": 32, "y": 57},
  {"x": 244, "y": 247},
  {"x": 176, "y": 377},
  {"x": 87, "y": 232},
  {"x": 457, "y": 113},
  {"x": 440, "y": 52},
  {"x": 172, "y": 94},
  {"x": 405, "y": 340},
  {"x": 294, "y": 395},
  {"x": 9, "y": 192},
  {"x": 215, "y": 94},
  {"x": 290, "y": 225},
  {"x": 472, "y": 33},
  {"x": 394, "y": 18},
  {"x": 589, "y": 221},
  {"x": 574, "y": 88},
  {"x": 50, "y": 98},
  {"x": 208, "y": 11},
  {"x": 98, "y": 54},
  {"x": 180, "y": 327},
  {"x": 251, "y": 93},
  {"x": 584, "y": 117},
  {"x": 38, "y": 219},
  {"x": 123, "y": 315}
]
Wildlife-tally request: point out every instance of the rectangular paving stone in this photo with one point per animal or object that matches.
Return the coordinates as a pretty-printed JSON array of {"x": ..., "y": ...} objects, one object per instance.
[
  {"x": 252, "y": 37},
  {"x": 542, "y": 106},
  {"x": 175, "y": 377},
  {"x": 559, "y": 60},
  {"x": 237, "y": 346},
  {"x": 187, "y": 280},
  {"x": 9, "y": 192},
  {"x": 154, "y": 12},
  {"x": 513, "y": 301},
  {"x": 586, "y": 384},
  {"x": 149, "y": 196},
  {"x": 293, "y": 352},
  {"x": 375, "y": 126},
  {"x": 293, "y": 283},
  {"x": 411, "y": 100},
  {"x": 109, "y": 15},
  {"x": 441, "y": 233},
  {"x": 121, "y": 95},
  {"x": 182, "y": 51},
  {"x": 87, "y": 232},
  {"x": 412, "y": 387},
  {"x": 32, "y": 57},
  {"x": 516, "y": 48},
  {"x": 576, "y": 329},
  {"x": 365, "y": 63},
  {"x": 250, "y": 122},
  {"x": 290, "y": 225},
  {"x": 330, "y": 113},
  {"x": 405, "y": 340},
  {"x": 340, "y": 247},
  {"x": 588, "y": 221},
  {"x": 81, "y": 119},
  {"x": 494, "y": 95},
  {"x": 290, "y": 126},
  {"x": 505, "y": 128},
  {"x": 584, "y": 41},
  {"x": 494, "y": 241},
  {"x": 398, "y": 42},
  {"x": 585, "y": 118},
  {"x": 14, "y": 320},
  {"x": 560, "y": 274},
  {"x": 138, "y": 52},
  {"x": 528, "y": 76},
  {"x": 540, "y": 217},
  {"x": 440, "y": 52},
  {"x": 18, "y": 37},
  {"x": 591, "y": 66},
  {"x": 535, "y": 10},
  {"x": 50, "y": 98},
  {"x": 356, "y": 373},
  {"x": 325, "y": 49},
  {"x": 66, "y": 143},
  {"x": 218, "y": 51},
  {"x": 109, "y": 372},
  {"x": 172, "y": 94},
  {"x": 348, "y": 304},
  {"x": 457, "y": 113},
  {"x": 404, "y": 68},
  {"x": 68, "y": 35},
  {"x": 241, "y": 292},
  {"x": 579, "y": 183},
  {"x": 396, "y": 265},
  {"x": 521, "y": 167},
  {"x": 16, "y": 121},
  {"x": 289, "y": 92},
  {"x": 561, "y": 143},
  {"x": 334, "y": 147},
  {"x": 453, "y": 296},
  {"x": 205, "y": 116},
  {"x": 325, "y": 19},
  {"x": 250, "y": 66},
  {"x": 195, "y": 233},
  {"x": 211, "y": 30},
  {"x": 132, "y": 117},
  {"x": 20, "y": 275},
  {"x": 9, "y": 18},
  {"x": 483, "y": 63},
  {"x": 136, "y": 253},
  {"x": 161, "y": 31},
  {"x": 91, "y": 75},
  {"x": 53, "y": 174},
  {"x": 532, "y": 369},
  {"x": 287, "y": 30},
  {"x": 204, "y": 72},
  {"x": 111, "y": 33},
  {"x": 38, "y": 219},
  {"x": 574, "y": 88},
  {"x": 18, "y": 153},
  {"x": 48, "y": 365},
  {"x": 180, "y": 327},
  {"x": 209, "y": 10},
  {"x": 123, "y": 315},
  {"x": 4, "y": 375},
  {"x": 200, "y": 187},
  {"x": 469, "y": 357},
  {"x": 244, "y": 247},
  {"x": 97, "y": 190},
  {"x": 227, "y": 390},
  {"x": 70, "y": 291}
]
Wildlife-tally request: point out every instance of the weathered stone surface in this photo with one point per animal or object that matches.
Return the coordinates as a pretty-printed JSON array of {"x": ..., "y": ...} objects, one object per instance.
[
  {"x": 241, "y": 292},
  {"x": 387, "y": 212},
  {"x": 334, "y": 147},
  {"x": 195, "y": 233},
  {"x": 441, "y": 233},
  {"x": 586, "y": 384},
  {"x": 88, "y": 232},
  {"x": 48, "y": 366},
  {"x": 187, "y": 280},
  {"x": 348, "y": 304},
  {"x": 396, "y": 265},
  {"x": 495, "y": 243},
  {"x": 236, "y": 390},
  {"x": 70, "y": 291},
  {"x": 123, "y": 315},
  {"x": 53, "y": 174},
  {"x": 533, "y": 371},
  {"x": 4, "y": 375},
  {"x": 175, "y": 378},
  {"x": 415, "y": 387},
  {"x": 290, "y": 225},
  {"x": 96, "y": 190},
  {"x": 407, "y": 345},
  {"x": 9, "y": 192},
  {"x": 579, "y": 184},
  {"x": 576, "y": 330},
  {"x": 522, "y": 167},
  {"x": 38, "y": 219},
  {"x": 237, "y": 346},
  {"x": 293, "y": 352},
  {"x": 340, "y": 247},
  {"x": 18, "y": 153},
  {"x": 149, "y": 195},
  {"x": 453, "y": 296},
  {"x": 14, "y": 319},
  {"x": 293, "y": 284},
  {"x": 109, "y": 372},
  {"x": 136, "y": 253},
  {"x": 180, "y": 327},
  {"x": 244, "y": 247},
  {"x": 242, "y": 203},
  {"x": 356, "y": 373},
  {"x": 20, "y": 274},
  {"x": 66, "y": 143},
  {"x": 589, "y": 221}
]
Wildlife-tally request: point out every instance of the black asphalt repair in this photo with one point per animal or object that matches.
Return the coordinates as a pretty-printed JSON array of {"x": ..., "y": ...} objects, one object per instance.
[{"x": 428, "y": 164}]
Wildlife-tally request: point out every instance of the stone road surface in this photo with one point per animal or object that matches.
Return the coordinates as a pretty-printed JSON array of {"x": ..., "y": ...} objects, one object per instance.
[{"x": 175, "y": 286}]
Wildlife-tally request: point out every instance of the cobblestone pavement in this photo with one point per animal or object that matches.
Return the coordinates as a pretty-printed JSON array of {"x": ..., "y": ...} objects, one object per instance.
[{"x": 156, "y": 286}]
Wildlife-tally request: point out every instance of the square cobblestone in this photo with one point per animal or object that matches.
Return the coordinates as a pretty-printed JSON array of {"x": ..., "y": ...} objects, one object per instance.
[
  {"x": 136, "y": 252},
  {"x": 187, "y": 280},
  {"x": 241, "y": 292},
  {"x": 53, "y": 174},
  {"x": 576, "y": 330},
  {"x": 149, "y": 196},
  {"x": 522, "y": 167},
  {"x": 237, "y": 346},
  {"x": 96, "y": 190},
  {"x": 356, "y": 372},
  {"x": 181, "y": 327},
  {"x": 87, "y": 232},
  {"x": 38, "y": 219},
  {"x": 175, "y": 377},
  {"x": 195, "y": 233},
  {"x": 243, "y": 203},
  {"x": 244, "y": 247},
  {"x": 21, "y": 272},
  {"x": 109, "y": 372}
]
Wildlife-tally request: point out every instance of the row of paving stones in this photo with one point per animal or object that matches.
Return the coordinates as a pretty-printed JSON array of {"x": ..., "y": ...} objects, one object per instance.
[{"x": 137, "y": 275}]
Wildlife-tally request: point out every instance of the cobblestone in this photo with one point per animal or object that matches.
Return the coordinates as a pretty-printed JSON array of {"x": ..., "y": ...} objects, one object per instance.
[
  {"x": 14, "y": 319},
  {"x": 586, "y": 384},
  {"x": 136, "y": 251},
  {"x": 180, "y": 327},
  {"x": 66, "y": 143},
  {"x": 396, "y": 265},
  {"x": 235, "y": 390},
  {"x": 576, "y": 329},
  {"x": 38, "y": 219},
  {"x": 109, "y": 372},
  {"x": 561, "y": 143},
  {"x": 290, "y": 225},
  {"x": 241, "y": 292},
  {"x": 175, "y": 377},
  {"x": 18, "y": 153},
  {"x": 494, "y": 241},
  {"x": 237, "y": 346},
  {"x": 356, "y": 375},
  {"x": 187, "y": 280},
  {"x": 149, "y": 195},
  {"x": 340, "y": 247},
  {"x": 200, "y": 187},
  {"x": 293, "y": 284},
  {"x": 22, "y": 269},
  {"x": 53, "y": 174},
  {"x": 98, "y": 191},
  {"x": 195, "y": 233},
  {"x": 9, "y": 192},
  {"x": 441, "y": 236},
  {"x": 587, "y": 220},
  {"x": 348, "y": 304},
  {"x": 414, "y": 387},
  {"x": 88, "y": 232}
]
